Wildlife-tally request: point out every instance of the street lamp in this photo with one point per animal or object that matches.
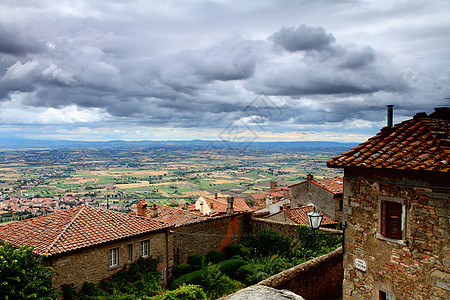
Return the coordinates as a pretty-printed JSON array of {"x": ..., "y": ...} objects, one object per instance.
[{"x": 314, "y": 219}]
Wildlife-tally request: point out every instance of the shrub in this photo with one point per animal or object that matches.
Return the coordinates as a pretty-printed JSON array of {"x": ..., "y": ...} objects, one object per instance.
[
  {"x": 244, "y": 272},
  {"x": 236, "y": 249},
  {"x": 271, "y": 242},
  {"x": 22, "y": 275},
  {"x": 216, "y": 284},
  {"x": 189, "y": 278},
  {"x": 184, "y": 292},
  {"x": 196, "y": 260},
  {"x": 181, "y": 269},
  {"x": 215, "y": 257},
  {"x": 229, "y": 267}
]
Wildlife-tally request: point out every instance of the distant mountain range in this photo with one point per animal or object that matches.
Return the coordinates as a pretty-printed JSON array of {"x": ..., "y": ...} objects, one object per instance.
[{"x": 16, "y": 143}]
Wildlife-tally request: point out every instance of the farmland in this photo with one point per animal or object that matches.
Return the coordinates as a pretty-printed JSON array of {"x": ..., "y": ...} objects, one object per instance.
[{"x": 161, "y": 175}]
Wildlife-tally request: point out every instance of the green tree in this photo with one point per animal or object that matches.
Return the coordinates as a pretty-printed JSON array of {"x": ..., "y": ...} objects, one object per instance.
[{"x": 22, "y": 276}]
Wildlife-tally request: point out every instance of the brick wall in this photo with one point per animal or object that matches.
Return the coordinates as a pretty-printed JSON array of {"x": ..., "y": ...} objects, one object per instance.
[
  {"x": 418, "y": 265},
  {"x": 92, "y": 265},
  {"x": 320, "y": 278},
  {"x": 290, "y": 230}
]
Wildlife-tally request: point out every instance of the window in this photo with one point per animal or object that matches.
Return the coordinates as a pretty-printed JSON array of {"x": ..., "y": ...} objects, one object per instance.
[
  {"x": 385, "y": 296},
  {"x": 144, "y": 248},
  {"x": 113, "y": 257},
  {"x": 130, "y": 252},
  {"x": 391, "y": 219}
]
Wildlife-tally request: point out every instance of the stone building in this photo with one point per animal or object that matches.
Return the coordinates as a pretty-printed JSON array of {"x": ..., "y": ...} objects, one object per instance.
[
  {"x": 90, "y": 244},
  {"x": 298, "y": 216},
  {"x": 396, "y": 210},
  {"x": 325, "y": 194}
]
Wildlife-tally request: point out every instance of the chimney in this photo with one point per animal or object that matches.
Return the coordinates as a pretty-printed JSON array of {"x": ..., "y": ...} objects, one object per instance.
[
  {"x": 142, "y": 208},
  {"x": 390, "y": 113},
  {"x": 273, "y": 185},
  {"x": 309, "y": 177},
  {"x": 215, "y": 195},
  {"x": 153, "y": 211},
  {"x": 107, "y": 203},
  {"x": 230, "y": 205},
  {"x": 287, "y": 210},
  {"x": 186, "y": 206}
]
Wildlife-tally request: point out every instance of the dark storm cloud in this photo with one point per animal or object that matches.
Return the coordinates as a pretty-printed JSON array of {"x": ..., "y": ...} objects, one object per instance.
[
  {"x": 16, "y": 43},
  {"x": 302, "y": 38},
  {"x": 202, "y": 64}
]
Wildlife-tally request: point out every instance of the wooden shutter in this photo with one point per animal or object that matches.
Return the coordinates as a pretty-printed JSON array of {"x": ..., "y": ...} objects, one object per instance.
[
  {"x": 395, "y": 220},
  {"x": 383, "y": 218}
]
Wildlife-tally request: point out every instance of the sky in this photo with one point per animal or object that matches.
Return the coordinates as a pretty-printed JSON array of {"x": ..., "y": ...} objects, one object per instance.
[{"x": 266, "y": 70}]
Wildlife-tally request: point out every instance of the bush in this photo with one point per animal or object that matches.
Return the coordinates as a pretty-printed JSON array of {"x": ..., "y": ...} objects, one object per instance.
[
  {"x": 184, "y": 292},
  {"x": 229, "y": 267},
  {"x": 271, "y": 242},
  {"x": 236, "y": 249},
  {"x": 216, "y": 284},
  {"x": 181, "y": 269},
  {"x": 194, "y": 278},
  {"x": 215, "y": 257},
  {"x": 22, "y": 275},
  {"x": 244, "y": 272},
  {"x": 197, "y": 260}
]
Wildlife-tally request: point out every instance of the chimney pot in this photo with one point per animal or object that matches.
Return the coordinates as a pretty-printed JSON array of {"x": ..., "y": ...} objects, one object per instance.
[
  {"x": 215, "y": 195},
  {"x": 154, "y": 211},
  {"x": 309, "y": 177},
  {"x": 273, "y": 185},
  {"x": 230, "y": 205},
  {"x": 390, "y": 113},
  {"x": 142, "y": 208}
]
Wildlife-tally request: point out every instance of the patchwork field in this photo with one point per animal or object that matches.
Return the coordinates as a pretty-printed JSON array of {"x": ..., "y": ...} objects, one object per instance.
[{"x": 158, "y": 175}]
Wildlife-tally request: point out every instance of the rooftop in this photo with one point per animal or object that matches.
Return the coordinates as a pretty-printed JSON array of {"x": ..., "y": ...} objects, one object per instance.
[
  {"x": 75, "y": 228},
  {"x": 422, "y": 143},
  {"x": 174, "y": 216}
]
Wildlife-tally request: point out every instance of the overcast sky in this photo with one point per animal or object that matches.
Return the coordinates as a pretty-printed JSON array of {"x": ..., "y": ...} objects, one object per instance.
[{"x": 276, "y": 70}]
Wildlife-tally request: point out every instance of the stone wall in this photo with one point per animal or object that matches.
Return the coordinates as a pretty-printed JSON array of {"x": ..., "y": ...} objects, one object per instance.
[
  {"x": 214, "y": 234},
  {"x": 92, "y": 264},
  {"x": 319, "y": 278},
  {"x": 417, "y": 266},
  {"x": 290, "y": 230}
]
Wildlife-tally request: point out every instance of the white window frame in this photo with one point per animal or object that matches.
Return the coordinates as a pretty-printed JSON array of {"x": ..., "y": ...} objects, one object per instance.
[
  {"x": 114, "y": 257},
  {"x": 145, "y": 248}
]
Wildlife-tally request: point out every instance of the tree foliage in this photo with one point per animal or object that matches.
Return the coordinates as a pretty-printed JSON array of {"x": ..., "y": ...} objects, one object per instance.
[{"x": 22, "y": 275}]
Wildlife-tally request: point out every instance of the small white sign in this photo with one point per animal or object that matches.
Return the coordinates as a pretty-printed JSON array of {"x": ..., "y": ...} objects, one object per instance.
[{"x": 360, "y": 264}]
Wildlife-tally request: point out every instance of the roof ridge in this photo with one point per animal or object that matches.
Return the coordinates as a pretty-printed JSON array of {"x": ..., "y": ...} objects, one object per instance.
[{"x": 65, "y": 229}]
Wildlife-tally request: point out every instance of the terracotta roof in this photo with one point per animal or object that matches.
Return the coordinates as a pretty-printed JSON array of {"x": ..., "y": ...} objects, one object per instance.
[
  {"x": 73, "y": 229},
  {"x": 334, "y": 185},
  {"x": 422, "y": 143},
  {"x": 219, "y": 205},
  {"x": 298, "y": 215},
  {"x": 174, "y": 216},
  {"x": 258, "y": 196}
]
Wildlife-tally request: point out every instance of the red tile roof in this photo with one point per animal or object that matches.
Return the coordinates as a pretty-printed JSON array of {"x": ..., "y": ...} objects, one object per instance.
[
  {"x": 298, "y": 215},
  {"x": 219, "y": 205},
  {"x": 422, "y": 143},
  {"x": 174, "y": 216},
  {"x": 73, "y": 229},
  {"x": 334, "y": 185}
]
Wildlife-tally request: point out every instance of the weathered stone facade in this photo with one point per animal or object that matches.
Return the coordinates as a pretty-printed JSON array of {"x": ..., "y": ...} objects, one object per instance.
[
  {"x": 212, "y": 234},
  {"x": 416, "y": 266},
  {"x": 325, "y": 201},
  {"x": 92, "y": 264}
]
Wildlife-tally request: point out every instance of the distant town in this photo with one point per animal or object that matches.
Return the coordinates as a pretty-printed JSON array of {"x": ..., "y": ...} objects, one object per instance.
[{"x": 40, "y": 181}]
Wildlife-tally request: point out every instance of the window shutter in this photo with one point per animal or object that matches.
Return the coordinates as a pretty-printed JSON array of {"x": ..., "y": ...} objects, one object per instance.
[
  {"x": 395, "y": 220},
  {"x": 383, "y": 218}
]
